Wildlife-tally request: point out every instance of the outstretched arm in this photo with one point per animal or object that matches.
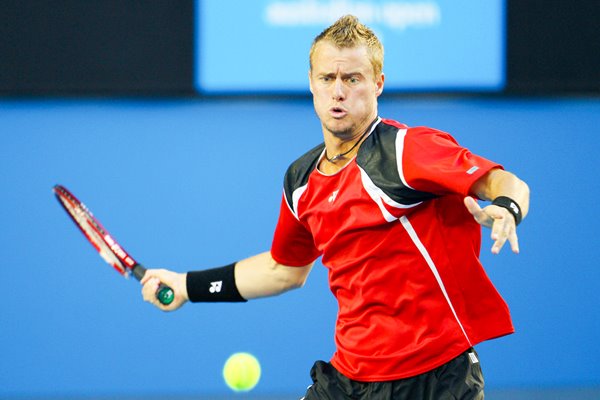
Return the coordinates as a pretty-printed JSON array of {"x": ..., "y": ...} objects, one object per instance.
[
  {"x": 492, "y": 185},
  {"x": 254, "y": 277}
]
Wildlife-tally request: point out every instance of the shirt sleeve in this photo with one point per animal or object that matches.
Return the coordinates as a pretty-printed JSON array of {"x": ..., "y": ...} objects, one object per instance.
[
  {"x": 432, "y": 161},
  {"x": 293, "y": 244}
]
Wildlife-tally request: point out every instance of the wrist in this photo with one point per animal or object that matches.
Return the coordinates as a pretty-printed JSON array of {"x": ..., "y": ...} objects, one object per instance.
[
  {"x": 512, "y": 206},
  {"x": 213, "y": 285}
]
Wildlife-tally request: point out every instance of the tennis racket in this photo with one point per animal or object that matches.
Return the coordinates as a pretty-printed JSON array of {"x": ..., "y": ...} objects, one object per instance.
[{"x": 110, "y": 250}]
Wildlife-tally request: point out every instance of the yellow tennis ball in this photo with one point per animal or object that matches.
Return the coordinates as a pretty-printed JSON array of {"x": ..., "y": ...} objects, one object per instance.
[{"x": 241, "y": 372}]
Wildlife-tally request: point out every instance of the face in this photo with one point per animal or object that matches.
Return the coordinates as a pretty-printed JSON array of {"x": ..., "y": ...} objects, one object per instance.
[{"x": 344, "y": 89}]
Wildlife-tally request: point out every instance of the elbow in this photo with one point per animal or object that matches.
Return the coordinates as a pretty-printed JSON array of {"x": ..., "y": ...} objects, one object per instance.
[
  {"x": 525, "y": 195},
  {"x": 291, "y": 281},
  {"x": 297, "y": 283},
  {"x": 290, "y": 278},
  {"x": 526, "y": 191}
]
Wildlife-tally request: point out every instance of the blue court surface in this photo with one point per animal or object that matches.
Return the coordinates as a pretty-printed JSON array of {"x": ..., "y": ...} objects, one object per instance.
[{"x": 196, "y": 183}]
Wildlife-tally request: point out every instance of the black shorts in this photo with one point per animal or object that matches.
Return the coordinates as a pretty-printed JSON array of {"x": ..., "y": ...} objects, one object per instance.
[{"x": 460, "y": 378}]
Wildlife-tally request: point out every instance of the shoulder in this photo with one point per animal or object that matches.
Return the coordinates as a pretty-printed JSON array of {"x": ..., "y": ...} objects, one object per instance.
[
  {"x": 299, "y": 171},
  {"x": 429, "y": 136},
  {"x": 391, "y": 136},
  {"x": 415, "y": 132},
  {"x": 381, "y": 145},
  {"x": 380, "y": 158}
]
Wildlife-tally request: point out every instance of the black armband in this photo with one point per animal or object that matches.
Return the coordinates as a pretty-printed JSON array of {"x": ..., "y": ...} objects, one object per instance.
[
  {"x": 511, "y": 205},
  {"x": 213, "y": 285}
]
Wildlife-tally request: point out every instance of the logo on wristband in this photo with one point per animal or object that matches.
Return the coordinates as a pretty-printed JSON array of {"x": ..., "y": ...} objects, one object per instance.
[{"x": 215, "y": 287}]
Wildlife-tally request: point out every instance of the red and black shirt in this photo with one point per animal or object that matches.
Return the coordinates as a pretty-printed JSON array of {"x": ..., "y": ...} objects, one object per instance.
[{"x": 401, "y": 249}]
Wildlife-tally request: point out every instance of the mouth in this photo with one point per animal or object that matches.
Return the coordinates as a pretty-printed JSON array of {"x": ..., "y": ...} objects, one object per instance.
[{"x": 337, "y": 112}]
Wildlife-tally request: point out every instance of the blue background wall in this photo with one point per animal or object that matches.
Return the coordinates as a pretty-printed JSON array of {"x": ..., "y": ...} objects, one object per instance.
[
  {"x": 190, "y": 184},
  {"x": 194, "y": 182}
]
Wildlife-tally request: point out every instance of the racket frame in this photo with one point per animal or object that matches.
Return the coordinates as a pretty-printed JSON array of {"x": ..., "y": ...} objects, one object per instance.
[{"x": 108, "y": 248}]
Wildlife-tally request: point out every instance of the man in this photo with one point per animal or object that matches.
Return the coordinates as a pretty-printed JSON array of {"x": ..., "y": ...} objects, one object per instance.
[{"x": 390, "y": 210}]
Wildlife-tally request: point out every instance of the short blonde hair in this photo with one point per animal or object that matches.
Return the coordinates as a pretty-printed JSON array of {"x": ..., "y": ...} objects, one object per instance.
[{"x": 348, "y": 32}]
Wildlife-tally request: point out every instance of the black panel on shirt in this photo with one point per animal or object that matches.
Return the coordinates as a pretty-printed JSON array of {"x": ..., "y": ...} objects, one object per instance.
[
  {"x": 376, "y": 156},
  {"x": 379, "y": 150},
  {"x": 298, "y": 173}
]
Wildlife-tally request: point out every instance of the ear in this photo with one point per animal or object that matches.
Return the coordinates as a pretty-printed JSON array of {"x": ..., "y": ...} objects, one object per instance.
[
  {"x": 379, "y": 84},
  {"x": 310, "y": 82}
]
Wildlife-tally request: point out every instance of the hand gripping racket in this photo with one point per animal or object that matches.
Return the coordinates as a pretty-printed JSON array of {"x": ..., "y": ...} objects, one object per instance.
[{"x": 107, "y": 246}]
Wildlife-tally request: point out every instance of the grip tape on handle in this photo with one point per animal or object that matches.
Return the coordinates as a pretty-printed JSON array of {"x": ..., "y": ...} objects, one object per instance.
[{"x": 164, "y": 294}]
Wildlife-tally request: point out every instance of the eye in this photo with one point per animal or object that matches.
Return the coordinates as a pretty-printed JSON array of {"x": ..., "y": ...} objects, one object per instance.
[{"x": 353, "y": 80}]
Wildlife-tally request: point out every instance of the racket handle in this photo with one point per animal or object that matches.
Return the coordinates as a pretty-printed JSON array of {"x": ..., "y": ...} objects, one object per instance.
[{"x": 164, "y": 294}]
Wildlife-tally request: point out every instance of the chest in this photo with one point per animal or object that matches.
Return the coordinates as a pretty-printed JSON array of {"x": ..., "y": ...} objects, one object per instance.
[{"x": 335, "y": 207}]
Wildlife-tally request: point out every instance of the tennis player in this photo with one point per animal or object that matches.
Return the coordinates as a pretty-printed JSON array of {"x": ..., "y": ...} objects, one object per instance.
[{"x": 392, "y": 212}]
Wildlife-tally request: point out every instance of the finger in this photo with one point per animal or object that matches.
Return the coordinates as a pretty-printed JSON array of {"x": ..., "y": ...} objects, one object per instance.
[
  {"x": 150, "y": 274},
  {"x": 149, "y": 290},
  {"x": 483, "y": 216},
  {"x": 500, "y": 228},
  {"x": 503, "y": 230},
  {"x": 498, "y": 244},
  {"x": 472, "y": 205},
  {"x": 147, "y": 276},
  {"x": 477, "y": 212},
  {"x": 514, "y": 242}
]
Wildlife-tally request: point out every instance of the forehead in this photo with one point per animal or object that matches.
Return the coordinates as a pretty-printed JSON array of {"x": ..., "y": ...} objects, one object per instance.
[{"x": 328, "y": 58}]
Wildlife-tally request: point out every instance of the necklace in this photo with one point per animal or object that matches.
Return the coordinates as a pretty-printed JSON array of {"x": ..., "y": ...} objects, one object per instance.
[{"x": 341, "y": 155}]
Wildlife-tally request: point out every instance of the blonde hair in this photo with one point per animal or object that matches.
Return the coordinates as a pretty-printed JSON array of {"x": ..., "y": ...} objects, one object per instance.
[{"x": 348, "y": 32}]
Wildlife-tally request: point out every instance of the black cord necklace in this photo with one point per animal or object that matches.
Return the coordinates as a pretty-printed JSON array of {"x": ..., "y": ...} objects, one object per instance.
[{"x": 341, "y": 155}]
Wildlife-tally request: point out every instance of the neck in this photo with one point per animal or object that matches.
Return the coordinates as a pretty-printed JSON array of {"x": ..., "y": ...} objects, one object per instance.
[{"x": 346, "y": 149}]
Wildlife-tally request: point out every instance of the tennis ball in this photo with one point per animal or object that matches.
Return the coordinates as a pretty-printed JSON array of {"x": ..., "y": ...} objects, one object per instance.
[{"x": 241, "y": 372}]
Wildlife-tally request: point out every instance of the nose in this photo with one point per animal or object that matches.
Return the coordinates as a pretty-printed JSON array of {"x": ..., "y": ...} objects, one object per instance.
[{"x": 338, "y": 93}]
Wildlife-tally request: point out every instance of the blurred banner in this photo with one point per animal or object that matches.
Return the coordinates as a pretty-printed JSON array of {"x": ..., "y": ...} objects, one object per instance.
[{"x": 430, "y": 45}]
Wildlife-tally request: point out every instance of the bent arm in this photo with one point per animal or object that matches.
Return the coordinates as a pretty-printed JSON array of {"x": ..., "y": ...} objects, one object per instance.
[
  {"x": 254, "y": 277},
  {"x": 498, "y": 182}
]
